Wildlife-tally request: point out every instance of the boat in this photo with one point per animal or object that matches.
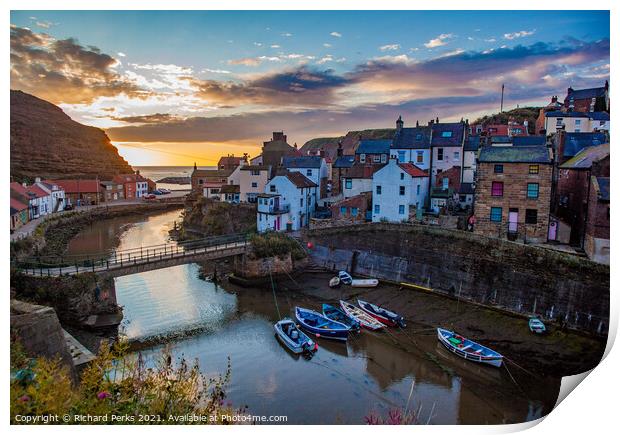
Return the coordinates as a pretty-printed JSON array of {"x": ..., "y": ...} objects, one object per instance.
[
  {"x": 293, "y": 337},
  {"x": 334, "y": 282},
  {"x": 320, "y": 325},
  {"x": 468, "y": 349},
  {"x": 384, "y": 316},
  {"x": 365, "y": 320},
  {"x": 346, "y": 278},
  {"x": 337, "y": 314},
  {"x": 536, "y": 325}
]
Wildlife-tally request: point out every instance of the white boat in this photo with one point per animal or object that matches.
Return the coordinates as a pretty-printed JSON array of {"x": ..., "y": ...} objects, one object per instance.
[
  {"x": 365, "y": 319},
  {"x": 536, "y": 325},
  {"x": 334, "y": 282},
  {"x": 467, "y": 349},
  {"x": 293, "y": 337},
  {"x": 346, "y": 278}
]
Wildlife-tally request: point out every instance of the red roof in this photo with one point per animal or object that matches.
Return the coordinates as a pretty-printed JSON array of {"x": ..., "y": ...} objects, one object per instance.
[
  {"x": 128, "y": 178},
  {"x": 29, "y": 191},
  {"x": 413, "y": 170},
  {"x": 17, "y": 205},
  {"x": 299, "y": 179},
  {"x": 78, "y": 186}
]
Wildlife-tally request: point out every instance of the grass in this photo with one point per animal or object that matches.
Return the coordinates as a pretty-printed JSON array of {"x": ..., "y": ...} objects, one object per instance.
[{"x": 275, "y": 244}]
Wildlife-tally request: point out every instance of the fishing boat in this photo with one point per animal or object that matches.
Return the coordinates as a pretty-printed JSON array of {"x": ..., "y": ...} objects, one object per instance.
[
  {"x": 536, "y": 325},
  {"x": 337, "y": 314},
  {"x": 384, "y": 316},
  {"x": 365, "y": 320},
  {"x": 334, "y": 282},
  {"x": 468, "y": 349},
  {"x": 320, "y": 325},
  {"x": 293, "y": 337},
  {"x": 346, "y": 278}
]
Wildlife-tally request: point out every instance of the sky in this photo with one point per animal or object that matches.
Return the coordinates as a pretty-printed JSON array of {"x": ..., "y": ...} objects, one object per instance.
[{"x": 178, "y": 87}]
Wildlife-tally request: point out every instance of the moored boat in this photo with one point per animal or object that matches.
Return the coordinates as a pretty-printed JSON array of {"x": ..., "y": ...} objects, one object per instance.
[
  {"x": 536, "y": 325},
  {"x": 347, "y": 279},
  {"x": 361, "y": 316},
  {"x": 293, "y": 337},
  {"x": 334, "y": 282},
  {"x": 337, "y": 314},
  {"x": 383, "y": 315},
  {"x": 320, "y": 325},
  {"x": 467, "y": 349},
  {"x": 344, "y": 277}
]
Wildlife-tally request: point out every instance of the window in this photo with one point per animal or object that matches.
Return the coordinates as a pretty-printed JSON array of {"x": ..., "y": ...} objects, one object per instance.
[
  {"x": 418, "y": 136},
  {"x": 559, "y": 122},
  {"x": 446, "y": 134},
  {"x": 496, "y": 214},
  {"x": 343, "y": 210},
  {"x": 401, "y": 156},
  {"x": 377, "y": 209},
  {"x": 309, "y": 172},
  {"x": 383, "y": 158},
  {"x": 401, "y": 190},
  {"x": 255, "y": 172},
  {"x": 363, "y": 158},
  {"x": 200, "y": 181},
  {"x": 348, "y": 183},
  {"x": 272, "y": 188},
  {"x": 378, "y": 190},
  {"x": 457, "y": 156},
  {"x": 532, "y": 190},
  {"x": 499, "y": 169},
  {"x": 301, "y": 202},
  {"x": 439, "y": 153},
  {"x": 577, "y": 121},
  {"x": 531, "y": 216},
  {"x": 402, "y": 175},
  {"x": 353, "y": 211},
  {"x": 401, "y": 209},
  {"x": 533, "y": 169},
  {"x": 420, "y": 158},
  {"x": 497, "y": 188},
  {"x": 377, "y": 158},
  {"x": 445, "y": 183},
  {"x": 418, "y": 189},
  {"x": 254, "y": 184},
  {"x": 577, "y": 130}
]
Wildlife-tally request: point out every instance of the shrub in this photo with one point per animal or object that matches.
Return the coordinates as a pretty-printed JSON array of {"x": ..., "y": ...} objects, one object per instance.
[{"x": 274, "y": 244}]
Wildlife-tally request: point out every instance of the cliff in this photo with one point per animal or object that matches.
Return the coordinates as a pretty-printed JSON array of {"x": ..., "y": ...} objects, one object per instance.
[{"x": 47, "y": 143}]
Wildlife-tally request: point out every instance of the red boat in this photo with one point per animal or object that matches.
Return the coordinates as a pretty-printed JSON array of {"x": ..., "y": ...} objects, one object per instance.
[{"x": 384, "y": 316}]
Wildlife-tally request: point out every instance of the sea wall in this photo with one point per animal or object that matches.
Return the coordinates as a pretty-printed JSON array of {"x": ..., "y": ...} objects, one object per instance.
[{"x": 523, "y": 279}]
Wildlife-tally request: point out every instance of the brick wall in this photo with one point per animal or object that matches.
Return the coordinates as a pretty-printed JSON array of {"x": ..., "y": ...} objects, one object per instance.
[
  {"x": 361, "y": 202},
  {"x": 515, "y": 177}
]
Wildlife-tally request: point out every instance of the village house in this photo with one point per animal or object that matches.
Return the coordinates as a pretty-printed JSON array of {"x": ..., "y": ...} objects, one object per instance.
[
  {"x": 571, "y": 122},
  {"x": 230, "y": 193},
  {"x": 339, "y": 169},
  {"x": 553, "y": 106},
  {"x": 235, "y": 176},
  {"x": 252, "y": 181},
  {"x": 445, "y": 191},
  {"x": 313, "y": 167},
  {"x": 597, "y": 224},
  {"x": 568, "y": 145},
  {"x": 231, "y": 162},
  {"x": 447, "y": 140},
  {"x": 273, "y": 151},
  {"x": 201, "y": 176},
  {"x": 112, "y": 191},
  {"x": 135, "y": 185},
  {"x": 358, "y": 179},
  {"x": 373, "y": 151},
  {"x": 513, "y": 193},
  {"x": 574, "y": 184},
  {"x": 412, "y": 145},
  {"x": 23, "y": 195},
  {"x": 287, "y": 204},
  {"x": 211, "y": 190},
  {"x": 398, "y": 191},
  {"x": 19, "y": 214},
  {"x": 56, "y": 195},
  {"x": 80, "y": 192},
  {"x": 353, "y": 210},
  {"x": 588, "y": 100}
]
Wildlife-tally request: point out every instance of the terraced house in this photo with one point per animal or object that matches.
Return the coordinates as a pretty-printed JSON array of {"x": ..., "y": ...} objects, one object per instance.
[{"x": 513, "y": 193}]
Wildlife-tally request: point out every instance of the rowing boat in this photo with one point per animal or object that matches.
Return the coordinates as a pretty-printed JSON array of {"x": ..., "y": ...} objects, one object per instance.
[
  {"x": 383, "y": 315},
  {"x": 536, "y": 325},
  {"x": 468, "y": 349},
  {"x": 361, "y": 316},
  {"x": 320, "y": 325},
  {"x": 293, "y": 338},
  {"x": 337, "y": 314}
]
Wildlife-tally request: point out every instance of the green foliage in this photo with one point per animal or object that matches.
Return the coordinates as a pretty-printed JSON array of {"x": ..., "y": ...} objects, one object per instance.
[
  {"x": 520, "y": 114},
  {"x": 274, "y": 244},
  {"x": 117, "y": 384}
]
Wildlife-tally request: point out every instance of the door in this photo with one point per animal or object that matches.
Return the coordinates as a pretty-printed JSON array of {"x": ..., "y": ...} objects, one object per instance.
[
  {"x": 513, "y": 218},
  {"x": 278, "y": 223},
  {"x": 276, "y": 203},
  {"x": 553, "y": 230}
]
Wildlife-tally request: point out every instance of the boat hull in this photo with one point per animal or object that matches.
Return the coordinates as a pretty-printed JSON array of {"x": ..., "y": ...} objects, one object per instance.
[
  {"x": 305, "y": 344},
  {"x": 340, "y": 332},
  {"x": 361, "y": 316},
  {"x": 365, "y": 283},
  {"x": 392, "y": 321},
  {"x": 495, "y": 360},
  {"x": 339, "y": 315}
]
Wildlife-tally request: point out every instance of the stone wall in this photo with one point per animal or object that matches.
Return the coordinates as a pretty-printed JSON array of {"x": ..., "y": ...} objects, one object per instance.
[
  {"x": 499, "y": 273},
  {"x": 261, "y": 267}
]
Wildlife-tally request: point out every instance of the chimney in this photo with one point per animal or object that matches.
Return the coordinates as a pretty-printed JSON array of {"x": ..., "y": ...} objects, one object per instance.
[
  {"x": 37, "y": 180},
  {"x": 195, "y": 166},
  {"x": 339, "y": 151},
  {"x": 322, "y": 152},
  {"x": 437, "y": 120},
  {"x": 554, "y": 99},
  {"x": 606, "y": 85},
  {"x": 137, "y": 172},
  {"x": 417, "y": 123},
  {"x": 399, "y": 123}
]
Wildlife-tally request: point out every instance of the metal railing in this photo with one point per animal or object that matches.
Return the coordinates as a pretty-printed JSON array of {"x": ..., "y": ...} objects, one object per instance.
[{"x": 74, "y": 264}]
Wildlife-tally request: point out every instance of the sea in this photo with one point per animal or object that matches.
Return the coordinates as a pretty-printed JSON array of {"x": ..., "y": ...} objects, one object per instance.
[{"x": 156, "y": 173}]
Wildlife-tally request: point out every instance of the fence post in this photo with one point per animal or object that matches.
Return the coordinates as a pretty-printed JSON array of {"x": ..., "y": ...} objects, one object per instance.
[
  {"x": 76, "y": 267},
  {"x": 107, "y": 264}
]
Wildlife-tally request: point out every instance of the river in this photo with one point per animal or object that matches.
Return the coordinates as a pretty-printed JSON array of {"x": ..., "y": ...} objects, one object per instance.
[{"x": 342, "y": 383}]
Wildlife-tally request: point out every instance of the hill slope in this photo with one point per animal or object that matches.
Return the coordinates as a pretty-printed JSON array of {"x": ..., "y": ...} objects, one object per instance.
[
  {"x": 46, "y": 143},
  {"x": 349, "y": 141},
  {"x": 521, "y": 114}
]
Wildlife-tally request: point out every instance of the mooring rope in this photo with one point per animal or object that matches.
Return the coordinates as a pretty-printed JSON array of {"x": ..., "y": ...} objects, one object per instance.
[{"x": 275, "y": 299}]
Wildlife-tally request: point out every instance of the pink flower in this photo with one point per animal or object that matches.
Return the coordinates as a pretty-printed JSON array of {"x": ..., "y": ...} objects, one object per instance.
[
  {"x": 24, "y": 399},
  {"x": 103, "y": 395}
]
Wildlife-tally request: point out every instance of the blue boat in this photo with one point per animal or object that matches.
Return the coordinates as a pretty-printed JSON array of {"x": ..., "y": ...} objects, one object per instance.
[
  {"x": 337, "y": 314},
  {"x": 468, "y": 349},
  {"x": 321, "y": 326},
  {"x": 293, "y": 338}
]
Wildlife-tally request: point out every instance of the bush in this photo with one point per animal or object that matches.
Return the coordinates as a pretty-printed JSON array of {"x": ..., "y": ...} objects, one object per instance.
[
  {"x": 117, "y": 384},
  {"x": 274, "y": 244}
]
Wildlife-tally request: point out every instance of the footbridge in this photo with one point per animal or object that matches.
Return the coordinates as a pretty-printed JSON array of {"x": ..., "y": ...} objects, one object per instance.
[{"x": 142, "y": 259}]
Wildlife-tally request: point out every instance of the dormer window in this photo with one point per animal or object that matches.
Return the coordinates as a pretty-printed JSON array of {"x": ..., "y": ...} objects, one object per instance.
[{"x": 446, "y": 134}]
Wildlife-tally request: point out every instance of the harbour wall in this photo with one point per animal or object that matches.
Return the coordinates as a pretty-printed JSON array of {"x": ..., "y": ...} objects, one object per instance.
[{"x": 523, "y": 279}]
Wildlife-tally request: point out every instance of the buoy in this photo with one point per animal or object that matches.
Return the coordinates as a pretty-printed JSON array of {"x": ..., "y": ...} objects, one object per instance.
[
  {"x": 316, "y": 347},
  {"x": 309, "y": 245},
  {"x": 318, "y": 335}
]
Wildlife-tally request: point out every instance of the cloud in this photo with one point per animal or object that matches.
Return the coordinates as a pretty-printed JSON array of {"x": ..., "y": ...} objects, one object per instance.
[
  {"x": 45, "y": 24},
  {"x": 62, "y": 70},
  {"x": 327, "y": 45},
  {"x": 286, "y": 34},
  {"x": 439, "y": 41},
  {"x": 247, "y": 61},
  {"x": 216, "y": 71},
  {"x": 336, "y": 34},
  {"x": 490, "y": 40},
  {"x": 275, "y": 46},
  {"x": 258, "y": 44},
  {"x": 121, "y": 54},
  {"x": 156, "y": 118},
  {"x": 521, "y": 34},
  {"x": 389, "y": 47}
]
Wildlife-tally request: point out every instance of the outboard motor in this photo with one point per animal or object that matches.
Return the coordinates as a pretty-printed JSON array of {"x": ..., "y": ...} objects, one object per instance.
[{"x": 294, "y": 334}]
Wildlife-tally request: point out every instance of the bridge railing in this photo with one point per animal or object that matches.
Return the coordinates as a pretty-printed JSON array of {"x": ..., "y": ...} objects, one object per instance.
[{"x": 43, "y": 265}]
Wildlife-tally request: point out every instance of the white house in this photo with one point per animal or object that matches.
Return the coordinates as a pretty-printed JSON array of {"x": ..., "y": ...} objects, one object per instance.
[
  {"x": 211, "y": 190},
  {"x": 571, "y": 122},
  {"x": 55, "y": 193},
  {"x": 358, "y": 179},
  {"x": 412, "y": 145},
  {"x": 252, "y": 181},
  {"x": 312, "y": 167},
  {"x": 142, "y": 186},
  {"x": 447, "y": 142},
  {"x": 398, "y": 189},
  {"x": 287, "y": 204}
]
